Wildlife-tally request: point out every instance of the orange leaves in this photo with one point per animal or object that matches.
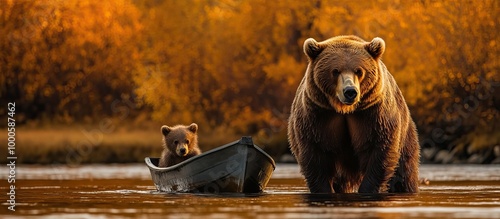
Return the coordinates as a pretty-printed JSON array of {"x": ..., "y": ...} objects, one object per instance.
[
  {"x": 237, "y": 63},
  {"x": 73, "y": 56},
  {"x": 232, "y": 59},
  {"x": 285, "y": 72}
]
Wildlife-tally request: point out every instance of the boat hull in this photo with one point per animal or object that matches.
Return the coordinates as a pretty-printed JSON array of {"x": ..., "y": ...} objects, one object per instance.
[{"x": 237, "y": 167}]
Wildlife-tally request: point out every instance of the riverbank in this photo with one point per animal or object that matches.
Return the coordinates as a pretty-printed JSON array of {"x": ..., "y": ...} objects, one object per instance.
[
  {"x": 81, "y": 145},
  {"x": 76, "y": 145},
  {"x": 474, "y": 148},
  {"x": 87, "y": 144}
]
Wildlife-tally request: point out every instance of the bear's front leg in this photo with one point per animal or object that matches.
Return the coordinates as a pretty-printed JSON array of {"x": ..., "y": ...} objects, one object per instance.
[
  {"x": 317, "y": 173},
  {"x": 380, "y": 167},
  {"x": 319, "y": 184},
  {"x": 405, "y": 179}
]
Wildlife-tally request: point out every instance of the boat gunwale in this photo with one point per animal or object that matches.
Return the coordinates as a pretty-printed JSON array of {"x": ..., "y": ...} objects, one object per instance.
[{"x": 244, "y": 141}]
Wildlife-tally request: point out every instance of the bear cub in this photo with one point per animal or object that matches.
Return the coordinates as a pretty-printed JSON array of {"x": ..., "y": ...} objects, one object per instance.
[{"x": 180, "y": 143}]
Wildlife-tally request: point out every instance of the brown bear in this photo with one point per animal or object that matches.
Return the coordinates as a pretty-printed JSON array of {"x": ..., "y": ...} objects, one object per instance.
[
  {"x": 350, "y": 128},
  {"x": 180, "y": 143}
]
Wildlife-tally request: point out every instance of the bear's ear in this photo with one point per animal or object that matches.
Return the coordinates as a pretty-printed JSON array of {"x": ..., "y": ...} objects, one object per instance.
[
  {"x": 193, "y": 127},
  {"x": 312, "y": 48},
  {"x": 165, "y": 130},
  {"x": 376, "y": 47}
]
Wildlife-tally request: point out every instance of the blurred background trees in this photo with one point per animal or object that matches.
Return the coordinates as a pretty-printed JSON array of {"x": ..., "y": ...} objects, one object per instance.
[
  {"x": 233, "y": 66},
  {"x": 67, "y": 60}
]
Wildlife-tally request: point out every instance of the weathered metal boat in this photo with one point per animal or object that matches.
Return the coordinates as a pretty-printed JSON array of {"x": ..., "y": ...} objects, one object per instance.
[{"x": 237, "y": 167}]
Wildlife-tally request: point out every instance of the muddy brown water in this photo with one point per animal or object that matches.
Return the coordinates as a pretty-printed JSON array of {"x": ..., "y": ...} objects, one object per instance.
[{"x": 126, "y": 191}]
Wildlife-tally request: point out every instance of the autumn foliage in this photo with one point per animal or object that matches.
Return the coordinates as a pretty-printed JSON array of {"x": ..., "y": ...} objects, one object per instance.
[{"x": 233, "y": 66}]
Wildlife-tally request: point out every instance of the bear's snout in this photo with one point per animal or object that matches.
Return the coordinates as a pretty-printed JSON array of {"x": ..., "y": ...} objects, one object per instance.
[
  {"x": 348, "y": 88},
  {"x": 350, "y": 94},
  {"x": 182, "y": 150}
]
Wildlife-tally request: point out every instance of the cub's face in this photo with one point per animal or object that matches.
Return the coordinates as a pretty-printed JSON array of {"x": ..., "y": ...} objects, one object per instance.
[
  {"x": 344, "y": 69},
  {"x": 180, "y": 139}
]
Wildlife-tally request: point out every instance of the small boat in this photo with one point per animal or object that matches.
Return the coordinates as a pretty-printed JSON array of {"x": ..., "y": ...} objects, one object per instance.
[{"x": 237, "y": 167}]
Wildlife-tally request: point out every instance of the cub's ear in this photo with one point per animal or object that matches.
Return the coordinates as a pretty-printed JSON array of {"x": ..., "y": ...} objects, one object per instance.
[
  {"x": 312, "y": 48},
  {"x": 165, "y": 130},
  {"x": 193, "y": 127},
  {"x": 376, "y": 47}
]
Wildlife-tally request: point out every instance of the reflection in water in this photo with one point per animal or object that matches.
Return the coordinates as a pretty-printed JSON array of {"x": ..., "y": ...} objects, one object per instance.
[
  {"x": 108, "y": 195},
  {"x": 355, "y": 200}
]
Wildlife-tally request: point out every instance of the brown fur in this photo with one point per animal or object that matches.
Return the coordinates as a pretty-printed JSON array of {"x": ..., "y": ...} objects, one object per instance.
[
  {"x": 180, "y": 143},
  {"x": 366, "y": 144}
]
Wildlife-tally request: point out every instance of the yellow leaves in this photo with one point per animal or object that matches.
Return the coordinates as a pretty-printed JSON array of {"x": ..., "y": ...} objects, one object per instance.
[
  {"x": 221, "y": 10},
  {"x": 246, "y": 121},
  {"x": 286, "y": 70},
  {"x": 473, "y": 78},
  {"x": 63, "y": 55},
  {"x": 329, "y": 14},
  {"x": 232, "y": 61},
  {"x": 492, "y": 43},
  {"x": 235, "y": 63}
]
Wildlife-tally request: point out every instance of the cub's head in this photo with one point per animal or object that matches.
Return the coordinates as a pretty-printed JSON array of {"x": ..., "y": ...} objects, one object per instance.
[
  {"x": 180, "y": 139},
  {"x": 345, "y": 69}
]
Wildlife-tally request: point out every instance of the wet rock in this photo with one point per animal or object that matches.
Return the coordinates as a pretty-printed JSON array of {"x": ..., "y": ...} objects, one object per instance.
[
  {"x": 287, "y": 158},
  {"x": 429, "y": 153},
  {"x": 496, "y": 150},
  {"x": 443, "y": 156},
  {"x": 471, "y": 149},
  {"x": 475, "y": 159},
  {"x": 424, "y": 181}
]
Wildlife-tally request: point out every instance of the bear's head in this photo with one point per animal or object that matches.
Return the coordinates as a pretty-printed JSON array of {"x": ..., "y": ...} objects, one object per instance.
[
  {"x": 180, "y": 139},
  {"x": 345, "y": 71}
]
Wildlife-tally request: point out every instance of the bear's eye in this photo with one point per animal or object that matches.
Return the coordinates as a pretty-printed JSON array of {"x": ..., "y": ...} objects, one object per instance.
[
  {"x": 176, "y": 142},
  {"x": 187, "y": 141},
  {"x": 335, "y": 72},
  {"x": 358, "y": 72}
]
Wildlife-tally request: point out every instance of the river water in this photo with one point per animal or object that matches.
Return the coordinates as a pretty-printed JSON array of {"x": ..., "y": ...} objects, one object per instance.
[{"x": 126, "y": 191}]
